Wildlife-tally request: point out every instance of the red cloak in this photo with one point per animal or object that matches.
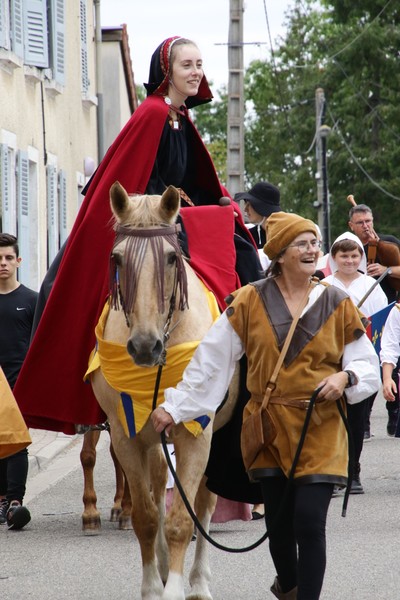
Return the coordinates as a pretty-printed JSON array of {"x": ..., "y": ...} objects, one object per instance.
[{"x": 50, "y": 389}]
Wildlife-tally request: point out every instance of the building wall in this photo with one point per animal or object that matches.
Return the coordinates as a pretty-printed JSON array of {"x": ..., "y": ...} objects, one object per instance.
[
  {"x": 48, "y": 127},
  {"x": 118, "y": 102}
]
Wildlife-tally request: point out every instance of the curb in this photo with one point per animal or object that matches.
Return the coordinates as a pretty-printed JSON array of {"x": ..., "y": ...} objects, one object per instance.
[{"x": 46, "y": 445}]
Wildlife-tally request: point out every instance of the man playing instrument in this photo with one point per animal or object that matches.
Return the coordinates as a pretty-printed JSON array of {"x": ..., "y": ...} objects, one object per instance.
[
  {"x": 382, "y": 251},
  {"x": 379, "y": 256}
]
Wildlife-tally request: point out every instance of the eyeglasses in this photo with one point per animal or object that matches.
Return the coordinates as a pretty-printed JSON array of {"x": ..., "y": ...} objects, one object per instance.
[
  {"x": 303, "y": 245},
  {"x": 365, "y": 222}
]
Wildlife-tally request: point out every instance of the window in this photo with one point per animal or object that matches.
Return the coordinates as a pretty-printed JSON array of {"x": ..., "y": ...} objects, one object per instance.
[
  {"x": 27, "y": 196},
  {"x": 53, "y": 231},
  {"x": 62, "y": 206},
  {"x": 7, "y": 189},
  {"x": 23, "y": 225},
  {"x": 57, "y": 231},
  {"x": 84, "y": 50},
  {"x": 34, "y": 31},
  {"x": 57, "y": 40}
]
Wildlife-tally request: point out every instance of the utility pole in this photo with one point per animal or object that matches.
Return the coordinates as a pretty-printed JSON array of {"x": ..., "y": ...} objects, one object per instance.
[
  {"x": 235, "y": 158},
  {"x": 322, "y": 203}
]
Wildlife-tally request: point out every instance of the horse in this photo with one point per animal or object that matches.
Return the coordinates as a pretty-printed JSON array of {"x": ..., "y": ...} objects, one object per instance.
[
  {"x": 122, "y": 506},
  {"x": 157, "y": 304}
]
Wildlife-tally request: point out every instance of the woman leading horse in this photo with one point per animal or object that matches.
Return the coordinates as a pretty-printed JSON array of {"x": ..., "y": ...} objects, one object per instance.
[{"x": 329, "y": 350}]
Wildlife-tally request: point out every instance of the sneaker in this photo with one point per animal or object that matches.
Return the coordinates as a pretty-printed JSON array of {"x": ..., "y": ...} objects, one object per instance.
[
  {"x": 356, "y": 486},
  {"x": 368, "y": 436},
  {"x": 17, "y": 515},
  {"x": 3, "y": 510}
]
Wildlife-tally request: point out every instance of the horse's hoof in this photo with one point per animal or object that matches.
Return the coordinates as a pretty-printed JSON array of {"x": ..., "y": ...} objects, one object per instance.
[
  {"x": 115, "y": 513},
  {"x": 91, "y": 532},
  {"x": 91, "y": 525},
  {"x": 125, "y": 522}
]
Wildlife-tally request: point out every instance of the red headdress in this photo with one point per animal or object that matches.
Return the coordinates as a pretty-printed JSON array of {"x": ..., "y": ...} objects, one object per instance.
[{"x": 159, "y": 75}]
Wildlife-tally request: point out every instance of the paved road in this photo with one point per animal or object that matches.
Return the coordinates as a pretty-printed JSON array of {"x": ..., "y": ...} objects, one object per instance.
[{"x": 52, "y": 560}]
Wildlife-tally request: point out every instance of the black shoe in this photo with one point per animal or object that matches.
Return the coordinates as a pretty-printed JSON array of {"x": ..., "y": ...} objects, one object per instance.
[
  {"x": 392, "y": 423},
  {"x": 17, "y": 515},
  {"x": 338, "y": 491},
  {"x": 356, "y": 486},
  {"x": 3, "y": 511},
  {"x": 255, "y": 515}
]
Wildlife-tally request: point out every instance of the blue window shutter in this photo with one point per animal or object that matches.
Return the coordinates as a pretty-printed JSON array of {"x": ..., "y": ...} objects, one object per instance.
[
  {"x": 62, "y": 205},
  {"x": 35, "y": 33},
  {"x": 17, "y": 28},
  {"x": 57, "y": 31},
  {"x": 4, "y": 24},
  {"x": 84, "y": 52},
  {"x": 23, "y": 229},
  {"x": 53, "y": 241},
  {"x": 7, "y": 217}
]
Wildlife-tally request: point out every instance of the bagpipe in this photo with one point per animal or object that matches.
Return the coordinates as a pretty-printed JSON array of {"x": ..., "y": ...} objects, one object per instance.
[{"x": 388, "y": 252}]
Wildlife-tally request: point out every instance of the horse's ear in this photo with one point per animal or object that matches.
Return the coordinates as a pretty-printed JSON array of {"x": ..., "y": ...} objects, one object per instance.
[
  {"x": 119, "y": 200},
  {"x": 170, "y": 203}
]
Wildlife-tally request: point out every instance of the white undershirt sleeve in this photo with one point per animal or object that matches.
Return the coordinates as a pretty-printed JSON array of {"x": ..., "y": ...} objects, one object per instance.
[
  {"x": 206, "y": 379},
  {"x": 390, "y": 342},
  {"x": 360, "y": 357}
]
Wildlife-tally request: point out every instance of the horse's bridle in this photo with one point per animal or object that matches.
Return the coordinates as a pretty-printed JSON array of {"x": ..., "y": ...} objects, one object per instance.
[{"x": 138, "y": 240}]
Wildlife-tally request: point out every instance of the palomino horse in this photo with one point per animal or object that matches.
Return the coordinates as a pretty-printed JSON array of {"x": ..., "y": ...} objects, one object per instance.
[{"x": 157, "y": 304}]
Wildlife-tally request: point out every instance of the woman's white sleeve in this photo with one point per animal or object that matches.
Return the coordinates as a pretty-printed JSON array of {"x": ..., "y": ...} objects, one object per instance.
[
  {"x": 390, "y": 342},
  {"x": 360, "y": 357},
  {"x": 206, "y": 378}
]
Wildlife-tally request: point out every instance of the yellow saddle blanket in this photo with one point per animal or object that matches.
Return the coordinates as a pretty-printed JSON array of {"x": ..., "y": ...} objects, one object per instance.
[{"x": 136, "y": 384}]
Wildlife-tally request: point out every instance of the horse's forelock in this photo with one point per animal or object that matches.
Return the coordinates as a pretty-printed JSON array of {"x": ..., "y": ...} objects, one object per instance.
[{"x": 145, "y": 211}]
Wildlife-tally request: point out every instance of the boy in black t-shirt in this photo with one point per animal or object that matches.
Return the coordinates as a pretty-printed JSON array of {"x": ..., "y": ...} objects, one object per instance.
[{"x": 17, "y": 307}]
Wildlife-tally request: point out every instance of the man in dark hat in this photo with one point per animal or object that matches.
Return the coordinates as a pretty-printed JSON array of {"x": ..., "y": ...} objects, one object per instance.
[{"x": 260, "y": 202}]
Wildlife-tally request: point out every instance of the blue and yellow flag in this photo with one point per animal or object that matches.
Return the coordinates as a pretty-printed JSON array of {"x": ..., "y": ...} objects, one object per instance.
[{"x": 375, "y": 329}]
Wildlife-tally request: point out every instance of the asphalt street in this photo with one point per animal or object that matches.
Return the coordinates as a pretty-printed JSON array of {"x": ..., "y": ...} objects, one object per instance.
[{"x": 51, "y": 559}]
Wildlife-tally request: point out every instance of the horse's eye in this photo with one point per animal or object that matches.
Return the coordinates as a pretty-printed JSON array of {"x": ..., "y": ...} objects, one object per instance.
[
  {"x": 117, "y": 259},
  {"x": 171, "y": 258}
]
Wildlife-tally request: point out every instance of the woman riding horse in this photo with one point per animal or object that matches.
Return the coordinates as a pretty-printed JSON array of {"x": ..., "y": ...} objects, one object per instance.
[{"x": 158, "y": 146}]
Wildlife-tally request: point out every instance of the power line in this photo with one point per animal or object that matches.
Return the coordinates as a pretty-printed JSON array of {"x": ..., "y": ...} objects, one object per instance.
[
  {"x": 357, "y": 162},
  {"x": 365, "y": 100},
  {"x": 275, "y": 70},
  {"x": 348, "y": 45}
]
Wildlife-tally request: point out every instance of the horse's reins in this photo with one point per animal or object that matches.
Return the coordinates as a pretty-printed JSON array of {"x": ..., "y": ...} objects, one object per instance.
[
  {"x": 118, "y": 300},
  {"x": 290, "y": 479}
]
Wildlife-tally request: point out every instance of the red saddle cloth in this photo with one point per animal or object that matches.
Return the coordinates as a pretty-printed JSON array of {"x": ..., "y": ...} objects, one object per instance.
[
  {"x": 212, "y": 250},
  {"x": 50, "y": 389}
]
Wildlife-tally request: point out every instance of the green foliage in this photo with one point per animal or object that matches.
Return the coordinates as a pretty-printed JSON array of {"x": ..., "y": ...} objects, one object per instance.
[
  {"x": 352, "y": 53},
  {"x": 351, "y": 49},
  {"x": 211, "y": 122}
]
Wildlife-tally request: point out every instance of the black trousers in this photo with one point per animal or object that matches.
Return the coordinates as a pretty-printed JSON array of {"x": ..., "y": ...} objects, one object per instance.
[
  {"x": 356, "y": 416},
  {"x": 13, "y": 474},
  {"x": 297, "y": 533}
]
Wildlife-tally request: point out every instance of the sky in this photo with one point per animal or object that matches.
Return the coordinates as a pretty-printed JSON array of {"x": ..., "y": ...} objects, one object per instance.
[{"x": 206, "y": 22}]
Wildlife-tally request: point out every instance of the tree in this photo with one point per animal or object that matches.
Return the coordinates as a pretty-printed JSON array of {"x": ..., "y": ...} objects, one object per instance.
[
  {"x": 211, "y": 122},
  {"x": 350, "y": 49}
]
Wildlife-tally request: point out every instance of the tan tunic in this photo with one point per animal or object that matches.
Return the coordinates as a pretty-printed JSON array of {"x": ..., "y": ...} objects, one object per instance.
[{"x": 315, "y": 352}]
